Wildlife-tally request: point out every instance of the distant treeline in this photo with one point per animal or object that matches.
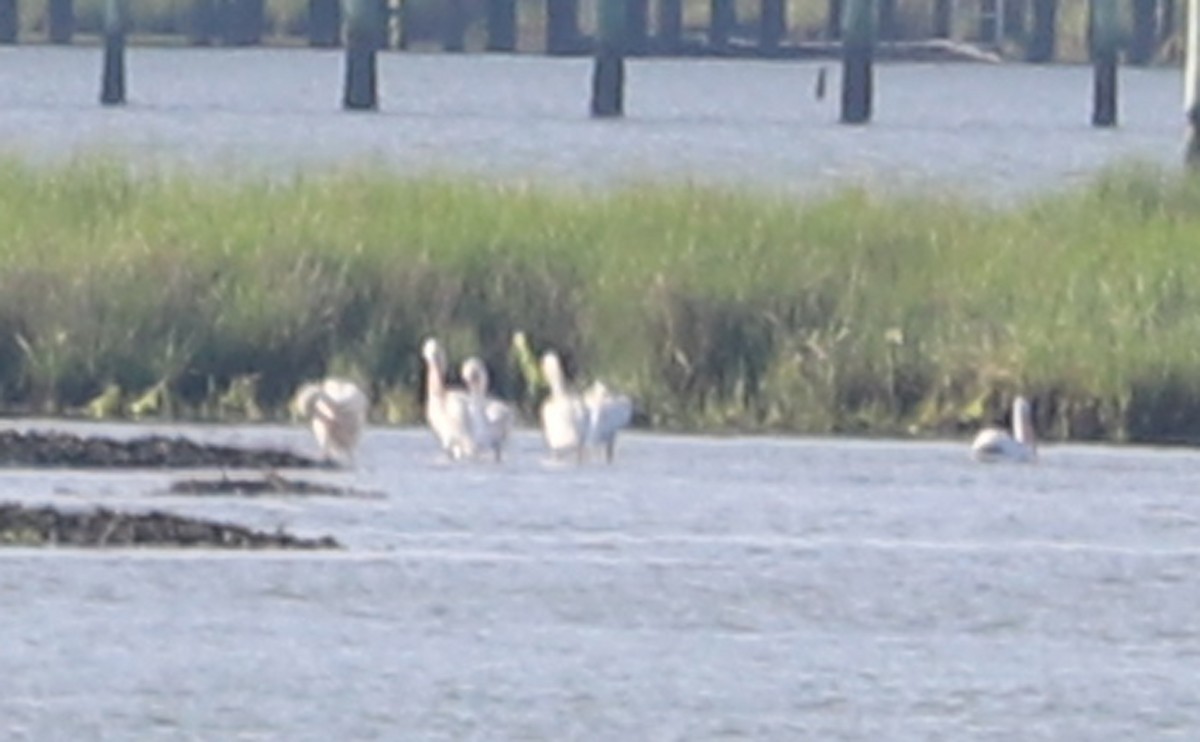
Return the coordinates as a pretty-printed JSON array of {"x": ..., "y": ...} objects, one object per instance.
[{"x": 1034, "y": 30}]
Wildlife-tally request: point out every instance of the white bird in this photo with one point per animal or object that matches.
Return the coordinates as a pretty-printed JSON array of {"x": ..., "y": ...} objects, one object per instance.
[
  {"x": 564, "y": 414},
  {"x": 337, "y": 410},
  {"x": 491, "y": 419},
  {"x": 997, "y": 444},
  {"x": 607, "y": 414},
  {"x": 447, "y": 410}
]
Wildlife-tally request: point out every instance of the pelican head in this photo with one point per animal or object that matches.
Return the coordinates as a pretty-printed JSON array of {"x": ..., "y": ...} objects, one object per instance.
[
  {"x": 475, "y": 375},
  {"x": 305, "y": 401},
  {"x": 552, "y": 369},
  {"x": 433, "y": 354}
]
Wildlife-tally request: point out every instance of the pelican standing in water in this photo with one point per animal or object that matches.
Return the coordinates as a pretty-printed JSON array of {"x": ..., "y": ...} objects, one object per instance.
[
  {"x": 491, "y": 419},
  {"x": 997, "y": 444},
  {"x": 564, "y": 413},
  {"x": 447, "y": 410},
  {"x": 337, "y": 410},
  {"x": 607, "y": 413}
]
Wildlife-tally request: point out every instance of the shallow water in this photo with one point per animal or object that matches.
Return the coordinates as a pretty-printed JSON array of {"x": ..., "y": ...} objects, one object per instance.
[
  {"x": 991, "y": 130},
  {"x": 700, "y": 588}
]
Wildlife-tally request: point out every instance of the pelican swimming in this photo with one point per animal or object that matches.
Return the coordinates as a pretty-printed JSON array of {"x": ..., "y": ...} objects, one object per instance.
[
  {"x": 997, "y": 444},
  {"x": 564, "y": 414},
  {"x": 337, "y": 410},
  {"x": 491, "y": 419},
  {"x": 447, "y": 410},
  {"x": 607, "y": 413}
]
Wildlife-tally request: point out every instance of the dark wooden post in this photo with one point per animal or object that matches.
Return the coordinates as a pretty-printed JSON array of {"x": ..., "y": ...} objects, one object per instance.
[
  {"x": 363, "y": 23},
  {"x": 501, "y": 25},
  {"x": 670, "y": 26},
  {"x": 887, "y": 21},
  {"x": 1042, "y": 40},
  {"x": 1144, "y": 41},
  {"x": 943, "y": 19},
  {"x": 9, "y": 21},
  {"x": 636, "y": 26},
  {"x": 990, "y": 21},
  {"x": 608, "y": 71},
  {"x": 772, "y": 25},
  {"x": 324, "y": 23},
  {"x": 1105, "y": 47},
  {"x": 858, "y": 53},
  {"x": 562, "y": 26},
  {"x": 454, "y": 25},
  {"x": 204, "y": 23},
  {"x": 112, "y": 80},
  {"x": 721, "y": 21},
  {"x": 1191, "y": 85},
  {"x": 60, "y": 21},
  {"x": 244, "y": 22},
  {"x": 833, "y": 20},
  {"x": 1014, "y": 16},
  {"x": 1167, "y": 18}
]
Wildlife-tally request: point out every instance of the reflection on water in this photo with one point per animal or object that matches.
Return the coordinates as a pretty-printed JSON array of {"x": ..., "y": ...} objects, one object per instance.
[
  {"x": 990, "y": 129},
  {"x": 698, "y": 589}
]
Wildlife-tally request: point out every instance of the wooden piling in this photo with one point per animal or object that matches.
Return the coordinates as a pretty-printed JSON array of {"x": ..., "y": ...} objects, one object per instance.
[
  {"x": 1143, "y": 41},
  {"x": 562, "y": 26},
  {"x": 637, "y": 32},
  {"x": 888, "y": 27},
  {"x": 833, "y": 20},
  {"x": 858, "y": 52},
  {"x": 1014, "y": 18},
  {"x": 669, "y": 36},
  {"x": 608, "y": 71},
  {"x": 454, "y": 26},
  {"x": 1105, "y": 49},
  {"x": 943, "y": 19},
  {"x": 112, "y": 80},
  {"x": 9, "y": 21},
  {"x": 501, "y": 25},
  {"x": 204, "y": 23},
  {"x": 324, "y": 23},
  {"x": 772, "y": 24},
  {"x": 244, "y": 21},
  {"x": 721, "y": 23},
  {"x": 363, "y": 22},
  {"x": 1191, "y": 85},
  {"x": 1043, "y": 37},
  {"x": 60, "y": 21}
]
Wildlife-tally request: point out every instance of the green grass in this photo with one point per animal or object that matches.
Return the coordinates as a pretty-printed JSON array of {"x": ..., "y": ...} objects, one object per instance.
[{"x": 717, "y": 309}]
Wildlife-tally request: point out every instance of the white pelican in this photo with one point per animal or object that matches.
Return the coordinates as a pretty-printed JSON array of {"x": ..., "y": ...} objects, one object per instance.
[
  {"x": 337, "y": 409},
  {"x": 607, "y": 413},
  {"x": 564, "y": 414},
  {"x": 446, "y": 410},
  {"x": 996, "y": 444},
  {"x": 491, "y": 419}
]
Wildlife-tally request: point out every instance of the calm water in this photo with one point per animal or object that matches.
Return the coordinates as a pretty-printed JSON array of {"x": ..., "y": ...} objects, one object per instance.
[
  {"x": 699, "y": 589},
  {"x": 992, "y": 130}
]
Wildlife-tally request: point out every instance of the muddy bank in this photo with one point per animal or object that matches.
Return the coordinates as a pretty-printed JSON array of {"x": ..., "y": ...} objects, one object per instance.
[
  {"x": 21, "y": 525},
  {"x": 149, "y": 452},
  {"x": 270, "y": 483}
]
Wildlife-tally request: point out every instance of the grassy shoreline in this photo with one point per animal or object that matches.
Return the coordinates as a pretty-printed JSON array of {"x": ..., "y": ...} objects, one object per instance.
[{"x": 184, "y": 294}]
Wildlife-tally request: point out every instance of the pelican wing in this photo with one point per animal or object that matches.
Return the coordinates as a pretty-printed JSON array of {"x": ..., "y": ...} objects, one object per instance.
[{"x": 994, "y": 444}]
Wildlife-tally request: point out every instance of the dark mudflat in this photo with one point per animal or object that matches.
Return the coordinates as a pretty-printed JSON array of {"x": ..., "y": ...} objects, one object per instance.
[
  {"x": 271, "y": 483},
  {"x": 149, "y": 452},
  {"x": 21, "y": 525}
]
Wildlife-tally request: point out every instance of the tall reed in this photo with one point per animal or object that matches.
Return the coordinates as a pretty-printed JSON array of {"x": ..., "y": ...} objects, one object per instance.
[{"x": 718, "y": 309}]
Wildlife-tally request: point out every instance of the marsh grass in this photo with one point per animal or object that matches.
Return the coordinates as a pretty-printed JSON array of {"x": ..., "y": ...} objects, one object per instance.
[{"x": 716, "y": 309}]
